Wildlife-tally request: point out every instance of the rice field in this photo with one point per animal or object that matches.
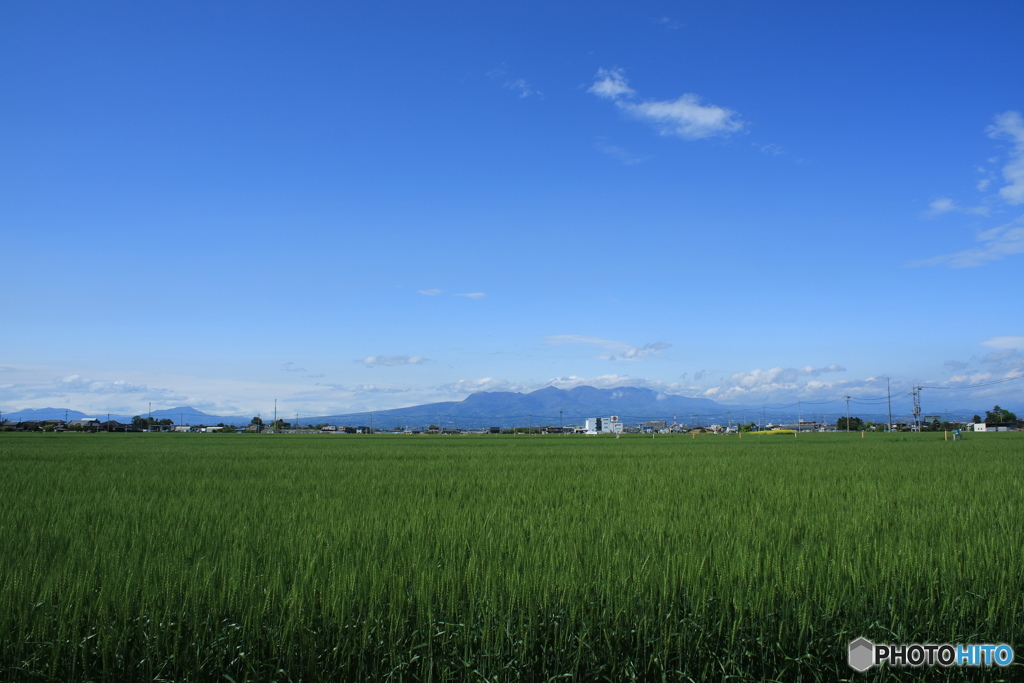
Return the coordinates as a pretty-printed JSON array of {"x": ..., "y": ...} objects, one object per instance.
[{"x": 195, "y": 557}]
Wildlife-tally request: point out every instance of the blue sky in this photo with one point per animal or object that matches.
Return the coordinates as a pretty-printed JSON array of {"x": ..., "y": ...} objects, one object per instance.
[{"x": 361, "y": 206}]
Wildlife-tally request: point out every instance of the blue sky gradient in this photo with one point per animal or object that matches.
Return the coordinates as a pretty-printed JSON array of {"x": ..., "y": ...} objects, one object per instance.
[{"x": 356, "y": 206}]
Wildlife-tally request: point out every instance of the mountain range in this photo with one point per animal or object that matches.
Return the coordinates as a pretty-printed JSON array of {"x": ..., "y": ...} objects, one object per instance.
[{"x": 548, "y": 406}]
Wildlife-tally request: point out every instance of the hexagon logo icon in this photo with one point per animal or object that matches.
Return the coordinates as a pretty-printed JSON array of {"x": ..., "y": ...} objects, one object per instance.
[{"x": 862, "y": 654}]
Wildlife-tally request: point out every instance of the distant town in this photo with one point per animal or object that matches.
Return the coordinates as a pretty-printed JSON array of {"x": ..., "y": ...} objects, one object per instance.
[{"x": 995, "y": 420}]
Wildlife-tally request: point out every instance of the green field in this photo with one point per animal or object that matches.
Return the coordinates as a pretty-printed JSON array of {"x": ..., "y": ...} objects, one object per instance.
[{"x": 283, "y": 557}]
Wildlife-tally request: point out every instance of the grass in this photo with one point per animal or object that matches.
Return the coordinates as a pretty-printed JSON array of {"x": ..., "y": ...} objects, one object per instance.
[{"x": 195, "y": 557}]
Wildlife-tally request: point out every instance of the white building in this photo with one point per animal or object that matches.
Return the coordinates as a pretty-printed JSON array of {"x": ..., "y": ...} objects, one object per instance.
[{"x": 604, "y": 425}]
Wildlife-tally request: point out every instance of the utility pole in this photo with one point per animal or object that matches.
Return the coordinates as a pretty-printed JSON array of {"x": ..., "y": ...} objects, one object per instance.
[
  {"x": 371, "y": 423},
  {"x": 275, "y": 414},
  {"x": 915, "y": 392},
  {"x": 799, "y": 418},
  {"x": 561, "y": 424},
  {"x": 888, "y": 395},
  {"x": 847, "y": 413}
]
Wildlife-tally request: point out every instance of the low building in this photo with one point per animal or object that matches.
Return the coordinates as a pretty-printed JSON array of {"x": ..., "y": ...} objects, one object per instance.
[
  {"x": 90, "y": 423},
  {"x": 603, "y": 425}
]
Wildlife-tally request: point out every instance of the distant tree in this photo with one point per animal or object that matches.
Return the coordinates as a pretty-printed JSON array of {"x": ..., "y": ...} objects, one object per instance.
[
  {"x": 228, "y": 429},
  {"x": 856, "y": 424},
  {"x": 256, "y": 421},
  {"x": 999, "y": 416},
  {"x": 140, "y": 422},
  {"x": 976, "y": 419}
]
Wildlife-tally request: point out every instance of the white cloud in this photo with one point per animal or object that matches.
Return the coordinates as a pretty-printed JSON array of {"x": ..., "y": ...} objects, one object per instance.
[
  {"x": 770, "y": 148},
  {"x": 762, "y": 384},
  {"x": 613, "y": 381},
  {"x": 472, "y": 386},
  {"x": 461, "y": 388},
  {"x": 1002, "y": 241},
  {"x": 619, "y": 153},
  {"x": 944, "y": 205},
  {"x": 77, "y": 383},
  {"x": 431, "y": 292},
  {"x": 612, "y": 350},
  {"x": 522, "y": 88},
  {"x": 611, "y": 84},
  {"x": 380, "y": 389},
  {"x": 996, "y": 243},
  {"x": 685, "y": 116},
  {"x": 1010, "y": 125},
  {"x": 667, "y": 23},
  {"x": 391, "y": 361},
  {"x": 969, "y": 379},
  {"x": 1009, "y": 342}
]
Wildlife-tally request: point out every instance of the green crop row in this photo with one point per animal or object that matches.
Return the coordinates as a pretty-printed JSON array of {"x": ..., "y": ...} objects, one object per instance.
[{"x": 198, "y": 557}]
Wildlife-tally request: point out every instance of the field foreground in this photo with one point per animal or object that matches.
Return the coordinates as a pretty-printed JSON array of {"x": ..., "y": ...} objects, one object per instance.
[{"x": 282, "y": 557}]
